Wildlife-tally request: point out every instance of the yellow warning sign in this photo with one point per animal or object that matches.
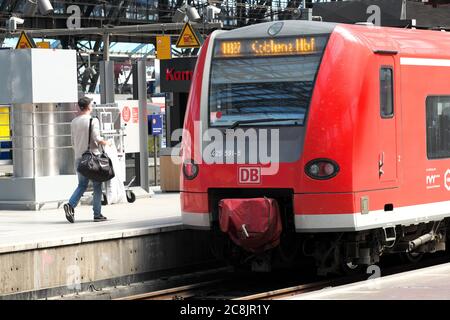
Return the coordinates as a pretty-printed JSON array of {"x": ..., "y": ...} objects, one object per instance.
[
  {"x": 163, "y": 48},
  {"x": 4, "y": 123},
  {"x": 25, "y": 42},
  {"x": 43, "y": 45},
  {"x": 188, "y": 38}
]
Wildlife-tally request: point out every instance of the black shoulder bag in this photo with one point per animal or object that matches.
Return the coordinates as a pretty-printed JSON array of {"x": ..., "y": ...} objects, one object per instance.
[{"x": 95, "y": 167}]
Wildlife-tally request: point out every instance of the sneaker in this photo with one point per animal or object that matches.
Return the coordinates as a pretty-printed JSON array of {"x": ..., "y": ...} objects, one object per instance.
[
  {"x": 100, "y": 218},
  {"x": 69, "y": 210}
]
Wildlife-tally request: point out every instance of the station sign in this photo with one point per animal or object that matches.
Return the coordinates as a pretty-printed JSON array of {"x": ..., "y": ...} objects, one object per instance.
[
  {"x": 131, "y": 138},
  {"x": 176, "y": 74},
  {"x": 163, "y": 48},
  {"x": 270, "y": 47},
  {"x": 5, "y": 154},
  {"x": 43, "y": 44},
  {"x": 189, "y": 38},
  {"x": 4, "y": 123},
  {"x": 135, "y": 114},
  {"x": 5, "y": 137},
  {"x": 155, "y": 125},
  {"x": 126, "y": 114},
  {"x": 25, "y": 42}
]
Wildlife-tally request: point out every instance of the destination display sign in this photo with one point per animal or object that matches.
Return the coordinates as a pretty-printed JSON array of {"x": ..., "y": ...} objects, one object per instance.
[{"x": 302, "y": 45}]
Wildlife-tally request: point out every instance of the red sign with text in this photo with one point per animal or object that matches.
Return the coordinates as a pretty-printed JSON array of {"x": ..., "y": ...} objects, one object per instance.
[
  {"x": 126, "y": 114},
  {"x": 135, "y": 115}
]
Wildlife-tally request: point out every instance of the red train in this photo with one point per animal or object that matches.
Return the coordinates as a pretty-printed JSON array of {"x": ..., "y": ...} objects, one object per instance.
[{"x": 358, "y": 121}]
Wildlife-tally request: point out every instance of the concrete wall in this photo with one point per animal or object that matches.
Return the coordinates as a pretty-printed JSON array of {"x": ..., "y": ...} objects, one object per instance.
[{"x": 31, "y": 274}]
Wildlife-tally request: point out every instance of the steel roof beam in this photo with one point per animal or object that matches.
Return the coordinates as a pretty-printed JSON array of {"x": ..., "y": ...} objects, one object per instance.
[
  {"x": 139, "y": 47},
  {"x": 13, "y": 6},
  {"x": 114, "y": 30},
  {"x": 4, "y": 5}
]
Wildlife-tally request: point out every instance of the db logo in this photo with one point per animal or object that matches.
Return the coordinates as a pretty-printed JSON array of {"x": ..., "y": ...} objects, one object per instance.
[
  {"x": 250, "y": 175},
  {"x": 126, "y": 114},
  {"x": 447, "y": 180}
]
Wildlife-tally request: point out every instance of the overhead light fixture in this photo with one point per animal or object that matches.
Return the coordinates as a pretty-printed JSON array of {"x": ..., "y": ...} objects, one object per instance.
[
  {"x": 30, "y": 7},
  {"x": 186, "y": 10},
  {"x": 212, "y": 13},
  {"x": 297, "y": 14},
  {"x": 45, "y": 7},
  {"x": 216, "y": 3},
  {"x": 13, "y": 22},
  {"x": 179, "y": 15},
  {"x": 192, "y": 13}
]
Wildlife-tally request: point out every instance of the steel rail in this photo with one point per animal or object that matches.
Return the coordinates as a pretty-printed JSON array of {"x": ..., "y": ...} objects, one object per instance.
[
  {"x": 177, "y": 293},
  {"x": 291, "y": 291},
  {"x": 287, "y": 291}
]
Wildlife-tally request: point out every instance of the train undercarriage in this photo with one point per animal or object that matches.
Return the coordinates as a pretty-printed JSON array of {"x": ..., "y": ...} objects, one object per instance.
[
  {"x": 347, "y": 252},
  {"x": 338, "y": 253},
  {"x": 331, "y": 253}
]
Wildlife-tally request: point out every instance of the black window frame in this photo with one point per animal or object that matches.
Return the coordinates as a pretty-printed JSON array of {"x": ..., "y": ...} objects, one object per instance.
[
  {"x": 392, "y": 114},
  {"x": 431, "y": 157}
]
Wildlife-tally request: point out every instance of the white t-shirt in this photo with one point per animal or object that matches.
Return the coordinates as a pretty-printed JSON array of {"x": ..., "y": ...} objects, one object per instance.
[{"x": 79, "y": 130}]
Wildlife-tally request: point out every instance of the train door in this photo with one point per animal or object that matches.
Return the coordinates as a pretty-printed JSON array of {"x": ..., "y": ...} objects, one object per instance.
[{"x": 387, "y": 161}]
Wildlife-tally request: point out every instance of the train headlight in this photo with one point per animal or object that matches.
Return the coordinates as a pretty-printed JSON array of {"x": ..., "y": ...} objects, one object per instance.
[
  {"x": 321, "y": 169},
  {"x": 190, "y": 169}
]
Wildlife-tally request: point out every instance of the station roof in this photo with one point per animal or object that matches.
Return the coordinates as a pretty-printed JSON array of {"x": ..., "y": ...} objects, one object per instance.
[{"x": 392, "y": 12}]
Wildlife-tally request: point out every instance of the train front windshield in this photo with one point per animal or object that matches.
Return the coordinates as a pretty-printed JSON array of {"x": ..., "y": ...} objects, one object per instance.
[{"x": 263, "y": 79}]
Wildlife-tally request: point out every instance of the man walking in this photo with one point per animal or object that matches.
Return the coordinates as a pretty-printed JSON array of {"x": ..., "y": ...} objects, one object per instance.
[{"x": 80, "y": 137}]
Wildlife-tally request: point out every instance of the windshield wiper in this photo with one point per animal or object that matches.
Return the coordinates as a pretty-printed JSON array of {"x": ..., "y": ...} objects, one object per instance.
[{"x": 238, "y": 123}]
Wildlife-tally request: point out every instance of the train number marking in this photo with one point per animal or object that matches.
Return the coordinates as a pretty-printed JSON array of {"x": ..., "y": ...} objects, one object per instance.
[{"x": 249, "y": 175}]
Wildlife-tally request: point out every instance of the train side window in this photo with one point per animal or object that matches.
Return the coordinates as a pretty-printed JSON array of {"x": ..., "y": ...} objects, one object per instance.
[
  {"x": 438, "y": 127},
  {"x": 386, "y": 92}
]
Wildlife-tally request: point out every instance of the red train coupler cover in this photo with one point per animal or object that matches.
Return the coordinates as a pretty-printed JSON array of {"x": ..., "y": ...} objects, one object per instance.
[{"x": 253, "y": 224}]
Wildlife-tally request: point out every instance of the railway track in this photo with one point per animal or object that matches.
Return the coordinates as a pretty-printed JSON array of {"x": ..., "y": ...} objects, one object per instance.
[
  {"x": 241, "y": 287},
  {"x": 232, "y": 289},
  {"x": 304, "y": 288},
  {"x": 286, "y": 292},
  {"x": 200, "y": 291},
  {"x": 177, "y": 293}
]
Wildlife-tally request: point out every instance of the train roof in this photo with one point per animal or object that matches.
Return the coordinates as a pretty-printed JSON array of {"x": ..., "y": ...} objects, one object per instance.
[
  {"x": 426, "y": 43},
  {"x": 406, "y": 42},
  {"x": 288, "y": 28}
]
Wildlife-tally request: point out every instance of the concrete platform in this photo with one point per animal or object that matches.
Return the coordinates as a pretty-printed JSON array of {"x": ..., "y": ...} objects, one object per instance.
[
  {"x": 432, "y": 283},
  {"x": 25, "y": 230},
  {"x": 43, "y": 255}
]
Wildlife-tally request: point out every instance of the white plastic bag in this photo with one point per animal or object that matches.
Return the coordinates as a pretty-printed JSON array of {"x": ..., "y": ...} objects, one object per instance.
[{"x": 115, "y": 190}]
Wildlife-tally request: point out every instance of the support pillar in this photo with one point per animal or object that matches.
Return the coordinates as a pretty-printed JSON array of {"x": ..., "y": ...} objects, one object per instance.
[{"x": 143, "y": 124}]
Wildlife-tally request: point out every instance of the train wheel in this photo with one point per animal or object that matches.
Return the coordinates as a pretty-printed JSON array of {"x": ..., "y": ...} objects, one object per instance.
[
  {"x": 411, "y": 257},
  {"x": 348, "y": 268}
]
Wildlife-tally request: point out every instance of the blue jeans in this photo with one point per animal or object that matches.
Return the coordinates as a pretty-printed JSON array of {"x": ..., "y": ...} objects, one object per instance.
[{"x": 82, "y": 186}]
